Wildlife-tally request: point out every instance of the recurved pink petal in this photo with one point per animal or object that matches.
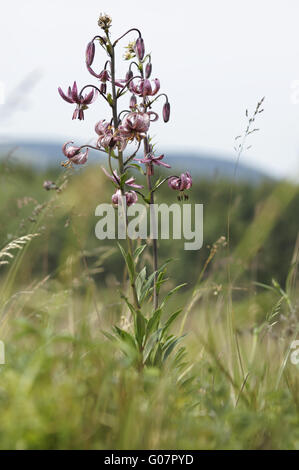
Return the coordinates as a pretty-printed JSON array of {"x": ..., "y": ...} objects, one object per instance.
[
  {"x": 147, "y": 88},
  {"x": 80, "y": 158},
  {"x": 131, "y": 182},
  {"x": 63, "y": 96},
  {"x": 92, "y": 72},
  {"x": 157, "y": 87},
  {"x": 89, "y": 98},
  {"x": 70, "y": 150},
  {"x": 75, "y": 92}
]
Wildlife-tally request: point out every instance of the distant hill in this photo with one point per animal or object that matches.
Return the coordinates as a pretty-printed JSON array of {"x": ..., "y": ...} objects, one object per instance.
[{"x": 45, "y": 154}]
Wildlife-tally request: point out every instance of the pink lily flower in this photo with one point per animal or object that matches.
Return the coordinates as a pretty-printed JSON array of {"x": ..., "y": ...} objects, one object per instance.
[
  {"x": 102, "y": 127},
  {"x": 81, "y": 101},
  {"x": 108, "y": 137},
  {"x": 74, "y": 153},
  {"x": 136, "y": 124},
  {"x": 144, "y": 88},
  {"x": 180, "y": 183},
  {"x": 131, "y": 197}
]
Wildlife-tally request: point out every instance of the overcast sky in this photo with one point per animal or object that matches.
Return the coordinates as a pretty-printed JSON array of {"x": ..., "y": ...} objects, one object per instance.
[{"x": 215, "y": 58}]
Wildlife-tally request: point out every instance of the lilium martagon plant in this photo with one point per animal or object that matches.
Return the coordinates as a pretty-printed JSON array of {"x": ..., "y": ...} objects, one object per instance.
[{"x": 148, "y": 341}]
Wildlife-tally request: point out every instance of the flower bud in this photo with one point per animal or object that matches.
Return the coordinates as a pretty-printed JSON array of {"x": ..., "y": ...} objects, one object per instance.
[
  {"x": 148, "y": 70},
  {"x": 90, "y": 50},
  {"x": 103, "y": 88},
  {"x": 133, "y": 101},
  {"x": 139, "y": 48},
  {"x": 129, "y": 75},
  {"x": 104, "y": 22},
  {"x": 166, "y": 111}
]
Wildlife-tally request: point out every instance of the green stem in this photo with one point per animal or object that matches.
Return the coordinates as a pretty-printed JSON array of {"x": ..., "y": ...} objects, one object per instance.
[
  {"x": 120, "y": 159},
  {"x": 155, "y": 245}
]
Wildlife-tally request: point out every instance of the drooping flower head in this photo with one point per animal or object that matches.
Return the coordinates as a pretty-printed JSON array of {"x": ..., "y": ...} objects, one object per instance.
[
  {"x": 180, "y": 183},
  {"x": 131, "y": 197},
  {"x": 136, "y": 124},
  {"x": 144, "y": 87},
  {"x": 74, "y": 153},
  {"x": 82, "y": 102},
  {"x": 108, "y": 137}
]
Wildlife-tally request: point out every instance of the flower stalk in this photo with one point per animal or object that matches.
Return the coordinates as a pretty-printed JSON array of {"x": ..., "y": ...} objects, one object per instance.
[{"x": 124, "y": 128}]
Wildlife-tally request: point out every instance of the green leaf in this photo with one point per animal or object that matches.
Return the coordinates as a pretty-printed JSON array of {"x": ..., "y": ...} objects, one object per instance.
[
  {"x": 147, "y": 285},
  {"x": 265, "y": 286},
  {"x": 157, "y": 183},
  {"x": 157, "y": 361},
  {"x": 171, "y": 345},
  {"x": 131, "y": 266},
  {"x": 139, "y": 281},
  {"x": 138, "y": 167},
  {"x": 110, "y": 99},
  {"x": 160, "y": 280},
  {"x": 123, "y": 177},
  {"x": 171, "y": 320},
  {"x": 108, "y": 335},
  {"x": 171, "y": 292},
  {"x": 132, "y": 309},
  {"x": 129, "y": 262},
  {"x": 125, "y": 336},
  {"x": 153, "y": 322},
  {"x": 140, "y": 327},
  {"x": 139, "y": 250},
  {"x": 112, "y": 153}
]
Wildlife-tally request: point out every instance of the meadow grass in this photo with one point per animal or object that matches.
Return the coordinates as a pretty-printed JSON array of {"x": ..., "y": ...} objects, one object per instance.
[{"x": 65, "y": 385}]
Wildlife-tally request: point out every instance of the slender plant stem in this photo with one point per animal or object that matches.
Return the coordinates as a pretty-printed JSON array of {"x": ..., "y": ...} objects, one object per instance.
[
  {"x": 127, "y": 32},
  {"x": 120, "y": 160},
  {"x": 152, "y": 201},
  {"x": 155, "y": 245}
]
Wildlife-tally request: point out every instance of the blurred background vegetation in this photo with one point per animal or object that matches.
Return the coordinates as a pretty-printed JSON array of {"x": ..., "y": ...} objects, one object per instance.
[{"x": 64, "y": 385}]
